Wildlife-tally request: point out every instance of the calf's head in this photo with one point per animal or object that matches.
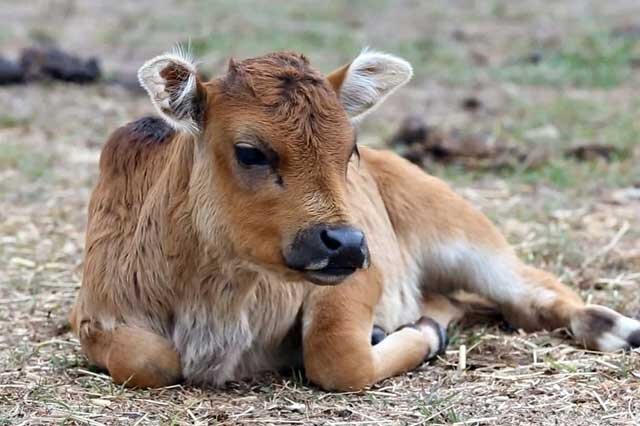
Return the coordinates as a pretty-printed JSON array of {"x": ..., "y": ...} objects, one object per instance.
[{"x": 276, "y": 138}]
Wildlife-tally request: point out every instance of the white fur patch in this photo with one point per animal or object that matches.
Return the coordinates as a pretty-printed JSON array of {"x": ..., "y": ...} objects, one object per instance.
[
  {"x": 609, "y": 342},
  {"x": 176, "y": 113},
  {"x": 613, "y": 339},
  {"x": 432, "y": 337},
  {"x": 618, "y": 337},
  {"x": 454, "y": 265},
  {"x": 477, "y": 270},
  {"x": 371, "y": 77},
  {"x": 625, "y": 326},
  {"x": 400, "y": 302}
]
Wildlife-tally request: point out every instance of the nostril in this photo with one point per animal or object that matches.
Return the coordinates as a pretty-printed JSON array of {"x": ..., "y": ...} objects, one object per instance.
[{"x": 330, "y": 242}]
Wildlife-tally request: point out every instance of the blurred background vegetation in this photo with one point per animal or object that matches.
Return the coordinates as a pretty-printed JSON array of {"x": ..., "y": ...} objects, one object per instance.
[{"x": 550, "y": 73}]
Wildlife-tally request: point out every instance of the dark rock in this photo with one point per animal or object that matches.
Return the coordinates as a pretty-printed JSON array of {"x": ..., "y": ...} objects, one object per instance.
[
  {"x": 413, "y": 129},
  {"x": 10, "y": 72},
  {"x": 471, "y": 103},
  {"x": 52, "y": 63},
  {"x": 423, "y": 145},
  {"x": 593, "y": 151},
  {"x": 459, "y": 34},
  {"x": 627, "y": 31},
  {"x": 534, "y": 58}
]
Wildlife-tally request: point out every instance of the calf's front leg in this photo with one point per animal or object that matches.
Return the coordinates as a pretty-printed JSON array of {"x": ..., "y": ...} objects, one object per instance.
[{"x": 338, "y": 354}]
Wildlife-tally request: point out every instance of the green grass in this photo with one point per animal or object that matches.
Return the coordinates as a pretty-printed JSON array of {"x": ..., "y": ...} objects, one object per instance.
[
  {"x": 260, "y": 40},
  {"x": 8, "y": 120},
  {"x": 595, "y": 59},
  {"x": 29, "y": 162},
  {"x": 436, "y": 410},
  {"x": 557, "y": 172},
  {"x": 329, "y": 32},
  {"x": 442, "y": 60},
  {"x": 580, "y": 120},
  {"x": 578, "y": 177},
  {"x": 41, "y": 35},
  {"x": 576, "y": 121},
  {"x": 581, "y": 176},
  {"x": 6, "y": 34},
  {"x": 561, "y": 367}
]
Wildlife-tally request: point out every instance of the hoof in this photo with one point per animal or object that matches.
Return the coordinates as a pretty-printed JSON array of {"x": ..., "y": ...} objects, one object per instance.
[
  {"x": 377, "y": 335},
  {"x": 634, "y": 339},
  {"x": 428, "y": 323},
  {"x": 441, "y": 332}
]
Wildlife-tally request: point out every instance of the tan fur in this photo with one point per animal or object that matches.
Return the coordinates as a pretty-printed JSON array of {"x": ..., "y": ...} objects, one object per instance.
[{"x": 184, "y": 273}]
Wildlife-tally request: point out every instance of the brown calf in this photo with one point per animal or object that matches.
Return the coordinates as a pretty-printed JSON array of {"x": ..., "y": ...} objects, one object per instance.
[{"x": 217, "y": 237}]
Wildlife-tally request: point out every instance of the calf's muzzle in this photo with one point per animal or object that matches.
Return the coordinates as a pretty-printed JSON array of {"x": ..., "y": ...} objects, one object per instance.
[{"x": 327, "y": 254}]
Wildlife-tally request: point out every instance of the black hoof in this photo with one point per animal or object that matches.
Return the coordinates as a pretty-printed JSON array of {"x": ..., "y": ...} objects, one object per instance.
[
  {"x": 634, "y": 339},
  {"x": 443, "y": 338},
  {"x": 377, "y": 335},
  {"x": 506, "y": 327}
]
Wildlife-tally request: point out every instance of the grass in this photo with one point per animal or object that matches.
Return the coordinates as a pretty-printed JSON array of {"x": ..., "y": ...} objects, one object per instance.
[
  {"x": 8, "y": 120},
  {"x": 585, "y": 177},
  {"x": 264, "y": 39},
  {"x": 595, "y": 59},
  {"x": 437, "y": 59},
  {"x": 440, "y": 410},
  {"x": 581, "y": 121},
  {"x": 332, "y": 30},
  {"x": 40, "y": 35},
  {"x": 558, "y": 123},
  {"x": 30, "y": 163}
]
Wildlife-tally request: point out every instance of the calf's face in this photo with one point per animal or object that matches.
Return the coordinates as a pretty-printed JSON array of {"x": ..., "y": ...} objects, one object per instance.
[{"x": 279, "y": 138}]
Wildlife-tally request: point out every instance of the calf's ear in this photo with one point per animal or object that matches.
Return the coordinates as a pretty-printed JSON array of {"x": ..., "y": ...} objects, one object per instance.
[
  {"x": 364, "y": 83},
  {"x": 175, "y": 89}
]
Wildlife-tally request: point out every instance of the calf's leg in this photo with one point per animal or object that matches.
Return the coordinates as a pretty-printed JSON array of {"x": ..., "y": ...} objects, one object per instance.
[
  {"x": 132, "y": 356},
  {"x": 337, "y": 346},
  {"x": 532, "y": 299},
  {"x": 546, "y": 303}
]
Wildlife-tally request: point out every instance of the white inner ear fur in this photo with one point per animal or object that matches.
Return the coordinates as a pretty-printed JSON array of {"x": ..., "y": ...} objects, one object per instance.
[
  {"x": 173, "y": 102},
  {"x": 371, "y": 77}
]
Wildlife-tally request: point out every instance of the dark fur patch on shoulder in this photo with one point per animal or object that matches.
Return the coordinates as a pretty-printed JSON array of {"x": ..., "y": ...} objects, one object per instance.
[
  {"x": 135, "y": 144},
  {"x": 150, "y": 129}
]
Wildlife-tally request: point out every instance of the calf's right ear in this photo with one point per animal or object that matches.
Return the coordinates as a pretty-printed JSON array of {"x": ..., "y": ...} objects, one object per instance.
[{"x": 175, "y": 90}]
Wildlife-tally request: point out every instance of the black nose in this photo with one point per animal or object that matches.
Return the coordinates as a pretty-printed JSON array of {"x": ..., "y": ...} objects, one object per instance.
[
  {"x": 336, "y": 249},
  {"x": 344, "y": 246}
]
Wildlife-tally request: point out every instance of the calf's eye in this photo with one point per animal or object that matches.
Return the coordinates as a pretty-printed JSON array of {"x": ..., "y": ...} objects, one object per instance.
[{"x": 248, "y": 155}]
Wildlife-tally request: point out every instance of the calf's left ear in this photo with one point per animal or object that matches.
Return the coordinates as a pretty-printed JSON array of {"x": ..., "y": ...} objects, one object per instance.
[
  {"x": 175, "y": 89},
  {"x": 363, "y": 84}
]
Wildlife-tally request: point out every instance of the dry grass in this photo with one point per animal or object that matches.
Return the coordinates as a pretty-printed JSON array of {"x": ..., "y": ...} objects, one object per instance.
[{"x": 579, "y": 221}]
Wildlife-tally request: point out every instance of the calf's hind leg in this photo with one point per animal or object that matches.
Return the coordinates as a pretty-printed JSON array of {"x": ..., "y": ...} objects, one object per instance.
[
  {"x": 533, "y": 299},
  {"x": 547, "y": 303},
  {"x": 132, "y": 356}
]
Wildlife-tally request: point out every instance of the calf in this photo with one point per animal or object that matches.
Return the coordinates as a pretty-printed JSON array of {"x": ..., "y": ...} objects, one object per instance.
[{"x": 245, "y": 231}]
